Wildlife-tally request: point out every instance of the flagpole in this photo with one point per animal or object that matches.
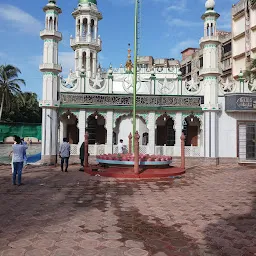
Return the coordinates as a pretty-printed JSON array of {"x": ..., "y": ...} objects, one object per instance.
[{"x": 135, "y": 69}]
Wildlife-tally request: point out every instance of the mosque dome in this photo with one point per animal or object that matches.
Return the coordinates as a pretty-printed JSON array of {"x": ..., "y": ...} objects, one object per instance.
[
  {"x": 87, "y": 1},
  {"x": 210, "y": 4}
]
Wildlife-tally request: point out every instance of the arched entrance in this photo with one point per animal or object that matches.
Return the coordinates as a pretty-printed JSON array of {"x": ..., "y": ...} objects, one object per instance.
[
  {"x": 96, "y": 129},
  {"x": 69, "y": 127},
  {"x": 165, "y": 133},
  {"x": 124, "y": 126},
  {"x": 191, "y": 129}
]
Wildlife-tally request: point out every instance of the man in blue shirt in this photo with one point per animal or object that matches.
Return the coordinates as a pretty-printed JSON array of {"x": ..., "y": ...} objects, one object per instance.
[{"x": 64, "y": 153}]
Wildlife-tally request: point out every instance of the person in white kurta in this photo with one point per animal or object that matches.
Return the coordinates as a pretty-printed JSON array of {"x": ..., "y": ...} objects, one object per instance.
[{"x": 120, "y": 147}]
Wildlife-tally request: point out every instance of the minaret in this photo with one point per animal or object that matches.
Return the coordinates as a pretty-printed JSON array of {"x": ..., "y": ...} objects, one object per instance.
[
  {"x": 50, "y": 69},
  {"x": 210, "y": 73},
  {"x": 87, "y": 42}
]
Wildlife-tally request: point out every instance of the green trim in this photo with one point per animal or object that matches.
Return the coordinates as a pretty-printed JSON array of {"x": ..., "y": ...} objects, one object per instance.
[
  {"x": 128, "y": 107},
  {"x": 210, "y": 46},
  {"x": 49, "y": 74},
  {"x": 48, "y": 12},
  {"x": 210, "y": 78}
]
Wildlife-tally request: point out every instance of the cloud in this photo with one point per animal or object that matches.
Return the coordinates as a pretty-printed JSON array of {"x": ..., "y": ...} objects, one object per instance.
[
  {"x": 178, "y": 5},
  {"x": 176, "y": 50},
  {"x": 225, "y": 20},
  {"x": 19, "y": 19}
]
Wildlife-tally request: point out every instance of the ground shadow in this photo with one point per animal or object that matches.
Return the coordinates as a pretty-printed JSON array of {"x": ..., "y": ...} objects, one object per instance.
[{"x": 235, "y": 235}]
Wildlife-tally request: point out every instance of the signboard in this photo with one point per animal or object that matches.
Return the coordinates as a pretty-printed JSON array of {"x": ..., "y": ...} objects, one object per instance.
[
  {"x": 127, "y": 100},
  {"x": 240, "y": 102}
]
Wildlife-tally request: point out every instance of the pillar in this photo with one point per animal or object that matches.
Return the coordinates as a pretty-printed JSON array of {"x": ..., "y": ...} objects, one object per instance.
[
  {"x": 211, "y": 134},
  {"x": 151, "y": 133},
  {"x": 182, "y": 155},
  {"x": 130, "y": 143},
  {"x": 178, "y": 131},
  {"x": 109, "y": 127},
  {"x": 81, "y": 126},
  {"x": 136, "y": 153},
  {"x": 86, "y": 149}
]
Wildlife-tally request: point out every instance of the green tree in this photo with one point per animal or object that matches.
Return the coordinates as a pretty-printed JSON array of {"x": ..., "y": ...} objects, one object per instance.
[
  {"x": 250, "y": 74},
  {"x": 9, "y": 85},
  {"x": 23, "y": 109}
]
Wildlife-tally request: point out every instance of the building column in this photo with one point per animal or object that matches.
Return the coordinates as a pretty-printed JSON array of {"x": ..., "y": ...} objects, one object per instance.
[
  {"x": 49, "y": 136},
  {"x": 94, "y": 64},
  {"x": 211, "y": 134},
  {"x": 151, "y": 132},
  {"x": 178, "y": 131},
  {"x": 96, "y": 31},
  {"x": 82, "y": 125},
  {"x": 109, "y": 127}
]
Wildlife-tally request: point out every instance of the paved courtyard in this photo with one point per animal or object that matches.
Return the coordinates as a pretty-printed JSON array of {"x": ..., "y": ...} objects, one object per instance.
[{"x": 207, "y": 212}]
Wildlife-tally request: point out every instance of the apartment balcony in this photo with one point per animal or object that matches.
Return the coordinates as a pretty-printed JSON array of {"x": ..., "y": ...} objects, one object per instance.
[
  {"x": 85, "y": 41},
  {"x": 44, "y": 34},
  {"x": 209, "y": 39},
  {"x": 226, "y": 67},
  {"x": 49, "y": 67},
  {"x": 238, "y": 8}
]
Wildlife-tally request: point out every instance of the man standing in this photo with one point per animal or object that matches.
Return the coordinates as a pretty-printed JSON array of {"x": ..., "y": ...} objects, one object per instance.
[
  {"x": 64, "y": 154},
  {"x": 120, "y": 147}
]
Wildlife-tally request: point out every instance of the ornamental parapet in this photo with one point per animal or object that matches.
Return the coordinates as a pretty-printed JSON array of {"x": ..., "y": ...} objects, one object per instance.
[
  {"x": 48, "y": 67},
  {"x": 238, "y": 8},
  {"x": 53, "y": 34},
  {"x": 49, "y": 103},
  {"x": 155, "y": 101},
  {"x": 85, "y": 41}
]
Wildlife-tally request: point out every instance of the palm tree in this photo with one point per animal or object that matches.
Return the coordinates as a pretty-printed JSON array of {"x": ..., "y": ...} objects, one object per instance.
[
  {"x": 9, "y": 85},
  {"x": 250, "y": 73}
]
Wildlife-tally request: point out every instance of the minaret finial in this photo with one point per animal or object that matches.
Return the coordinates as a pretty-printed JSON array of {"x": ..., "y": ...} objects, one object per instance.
[
  {"x": 210, "y": 4},
  {"x": 129, "y": 64}
]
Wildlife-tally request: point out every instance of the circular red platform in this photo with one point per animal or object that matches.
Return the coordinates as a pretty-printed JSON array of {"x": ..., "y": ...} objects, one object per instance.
[{"x": 128, "y": 172}]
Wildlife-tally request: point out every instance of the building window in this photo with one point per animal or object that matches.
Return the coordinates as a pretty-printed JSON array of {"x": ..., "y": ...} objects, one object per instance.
[
  {"x": 189, "y": 67},
  {"x": 227, "y": 48},
  {"x": 201, "y": 62},
  {"x": 183, "y": 70}
]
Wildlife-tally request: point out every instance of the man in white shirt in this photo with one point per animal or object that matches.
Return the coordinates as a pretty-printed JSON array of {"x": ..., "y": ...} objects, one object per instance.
[
  {"x": 120, "y": 147},
  {"x": 64, "y": 153}
]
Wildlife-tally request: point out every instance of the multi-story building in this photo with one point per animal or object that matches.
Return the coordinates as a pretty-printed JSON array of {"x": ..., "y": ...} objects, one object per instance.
[{"x": 243, "y": 35}]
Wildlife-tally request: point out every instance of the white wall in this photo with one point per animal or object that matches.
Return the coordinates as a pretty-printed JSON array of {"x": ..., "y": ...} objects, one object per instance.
[{"x": 228, "y": 130}]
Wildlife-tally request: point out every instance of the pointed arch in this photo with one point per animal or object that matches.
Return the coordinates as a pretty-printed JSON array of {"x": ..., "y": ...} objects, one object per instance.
[
  {"x": 165, "y": 132},
  {"x": 84, "y": 27},
  {"x": 191, "y": 129}
]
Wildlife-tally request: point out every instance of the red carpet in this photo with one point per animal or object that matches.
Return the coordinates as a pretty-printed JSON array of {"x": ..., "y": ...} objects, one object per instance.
[{"x": 128, "y": 173}]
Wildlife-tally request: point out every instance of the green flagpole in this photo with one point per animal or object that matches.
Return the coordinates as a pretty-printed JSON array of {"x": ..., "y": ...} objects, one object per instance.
[{"x": 135, "y": 69}]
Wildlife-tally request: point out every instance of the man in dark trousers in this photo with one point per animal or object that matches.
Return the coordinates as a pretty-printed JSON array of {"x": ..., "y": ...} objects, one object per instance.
[
  {"x": 64, "y": 154},
  {"x": 81, "y": 156}
]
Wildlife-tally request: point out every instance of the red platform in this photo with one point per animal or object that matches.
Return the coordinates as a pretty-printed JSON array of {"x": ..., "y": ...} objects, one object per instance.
[{"x": 128, "y": 172}]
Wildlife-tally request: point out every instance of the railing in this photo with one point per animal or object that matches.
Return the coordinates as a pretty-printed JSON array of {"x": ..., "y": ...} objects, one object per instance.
[
  {"x": 50, "y": 66},
  {"x": 97, "y": 149},
  {"x": 47, "y": 32},
  {"x": 209, "y": 38},
  {"x": 85, "y": 39},
  {"x": 73, "y": 149},
  {"x": 164, "y": 150},
  {"x": 238, "y": 7},
  {"x": 192, "y": 151}
]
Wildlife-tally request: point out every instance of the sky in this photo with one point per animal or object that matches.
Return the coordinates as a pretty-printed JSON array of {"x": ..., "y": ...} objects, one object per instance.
[{"x": 167, "y": 27}]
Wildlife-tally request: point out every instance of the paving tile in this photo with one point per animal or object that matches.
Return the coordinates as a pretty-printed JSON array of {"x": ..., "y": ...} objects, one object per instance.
[
  {"x": 136, "y": 252},
  {"x": 37, "y": 252},
  {"x": 13, "y": 252}
]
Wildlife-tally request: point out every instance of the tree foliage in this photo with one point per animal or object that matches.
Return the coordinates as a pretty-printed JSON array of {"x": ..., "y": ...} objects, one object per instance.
[
  {"x": 24, "y": 108},
  {"x": 9, "y": 86},
  {"x": 250, "y": 74}
]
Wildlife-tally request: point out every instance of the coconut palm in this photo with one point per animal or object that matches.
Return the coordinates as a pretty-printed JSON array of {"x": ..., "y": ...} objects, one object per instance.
[
  {"x": 250, "y": 74},
  {"x": 9, "y": 85}
]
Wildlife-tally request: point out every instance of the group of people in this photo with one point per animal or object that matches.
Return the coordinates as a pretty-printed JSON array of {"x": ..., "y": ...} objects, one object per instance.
[{"x": 19, "y": 159}]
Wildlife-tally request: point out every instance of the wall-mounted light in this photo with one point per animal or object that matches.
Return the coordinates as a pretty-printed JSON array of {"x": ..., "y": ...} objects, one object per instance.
[
  {"x": 96, "y": 115},
  {"x": 165, "y": 116},
  {"x": 192, "y": 117}
]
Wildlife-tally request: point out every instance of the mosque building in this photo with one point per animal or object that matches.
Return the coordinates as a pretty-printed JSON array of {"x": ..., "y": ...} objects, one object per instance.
[{"x": 210, "y": 108}]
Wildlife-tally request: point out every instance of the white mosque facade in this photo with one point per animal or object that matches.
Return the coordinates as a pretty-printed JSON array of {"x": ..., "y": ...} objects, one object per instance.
[{"x": 219, "y": 121}]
